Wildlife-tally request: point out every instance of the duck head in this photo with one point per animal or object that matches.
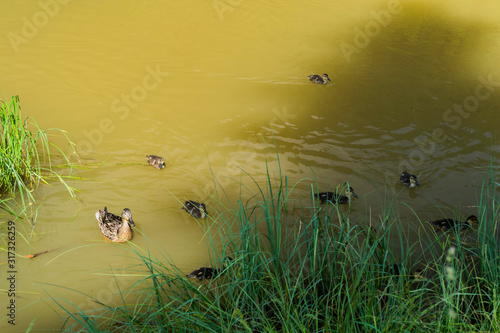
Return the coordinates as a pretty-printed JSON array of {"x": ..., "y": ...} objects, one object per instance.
[
  {"x": 127, "y": 216},
  {"x": 349, "y": 191},
  {"x": 472, "y": 219},
  {"x": 413, "y": 182},
  {"x": 326, "y": 78}
]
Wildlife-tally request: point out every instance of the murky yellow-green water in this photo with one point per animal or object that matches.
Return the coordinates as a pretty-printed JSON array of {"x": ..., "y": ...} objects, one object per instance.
[{"x": 415, "y": 86}]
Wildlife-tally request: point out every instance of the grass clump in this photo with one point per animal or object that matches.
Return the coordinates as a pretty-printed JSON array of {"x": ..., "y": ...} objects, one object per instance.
[
  {"x": 25, "y": 158},
  {"x": 303, "y": 267}
]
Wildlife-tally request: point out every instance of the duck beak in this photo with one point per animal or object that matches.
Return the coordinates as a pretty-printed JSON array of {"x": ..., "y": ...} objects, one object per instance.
[
  {"x": 416, "y": 182},
  {"x": 354, "y": 194},
  {"x": 131, "y": 222}
]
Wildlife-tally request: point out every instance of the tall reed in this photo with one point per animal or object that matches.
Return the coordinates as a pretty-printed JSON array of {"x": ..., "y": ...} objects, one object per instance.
[
  {"x": 303, "y": 267},
  {"x": 25, "y": 158}
]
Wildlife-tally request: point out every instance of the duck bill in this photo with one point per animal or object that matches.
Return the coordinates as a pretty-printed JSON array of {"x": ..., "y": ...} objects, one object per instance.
[
  {"x": 416, "y": 183},
  {"x": 354, "y": 194},
  {"x": 131, "y": 222}
]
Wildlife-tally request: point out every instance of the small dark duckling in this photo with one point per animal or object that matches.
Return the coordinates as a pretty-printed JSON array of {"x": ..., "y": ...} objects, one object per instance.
[
  {"x": 448, "y": 224},
  {"x": 203, "y": 273},
  {"x": 409, "y": 180},
  {"x": 337, "y": 197},
  {"x": 196, "y": 209},
  {"x": 318, "y": 79},
  {"x": 156, "y": 161},
  {"x": 415, "y": 275},
  {"x": 207, "y": 272}
]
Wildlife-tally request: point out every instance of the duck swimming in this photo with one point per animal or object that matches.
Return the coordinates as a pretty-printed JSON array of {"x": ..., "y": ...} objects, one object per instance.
[
  {"x": 156, "y": 161},
  {"x": 337, "y": 197},
  {"x": 448, "y": 224},
  {"x": 203, "y": 273},
  {"x": 207, "y": 272},
  {"x": 409, "y": 180},
  {"x": 196, "y": 209},
  {"x": 115, "y": 228},
  {"x": 416, "y": 275},
  {"x": 318, "y": 79}
]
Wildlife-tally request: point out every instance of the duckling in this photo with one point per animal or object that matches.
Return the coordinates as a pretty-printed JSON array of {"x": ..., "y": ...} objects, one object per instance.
[
  {"x": 409, "y": 180},
  {"x": 416, "y": 275},
  {"x": 208, "y": 272},
  {"x": 156, "y": 161},
  {"x": 318, "y": 79},
  {"x": 448, "y": 224},
  {"x": 115, "y": 228},
  {"x": 337, "y": 197},
  {"x": 203, "y": 273},
  {"x": 197, "y": 210}
]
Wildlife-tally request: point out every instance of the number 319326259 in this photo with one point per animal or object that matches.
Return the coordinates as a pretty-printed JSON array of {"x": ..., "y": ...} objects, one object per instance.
[{"x": 11, "y": 236}]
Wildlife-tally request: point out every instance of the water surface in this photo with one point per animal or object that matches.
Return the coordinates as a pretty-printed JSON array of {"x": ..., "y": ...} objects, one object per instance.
[{"x": 212, "y": 90}]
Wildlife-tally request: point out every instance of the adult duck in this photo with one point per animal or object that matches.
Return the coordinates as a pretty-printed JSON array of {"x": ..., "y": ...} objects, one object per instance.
[
  {"x": 156, "y": 161},
  {"x": 196, "y": 209},
  {"x": 116, "y": 228},
  {"x": 409, "y": 180},
  {"x": 343, "y": 197},
  {"x": 448, "y": 224},
  {"x": 319, "y": 79}
]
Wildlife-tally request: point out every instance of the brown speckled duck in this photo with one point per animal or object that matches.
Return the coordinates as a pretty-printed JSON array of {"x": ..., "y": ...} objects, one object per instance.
[
  {"x": 156, "y": 161},
  {"x": 115, "y": 228}
]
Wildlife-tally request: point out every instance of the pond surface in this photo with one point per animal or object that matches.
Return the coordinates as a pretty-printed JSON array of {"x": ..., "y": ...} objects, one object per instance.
[{"x": 209, "y": 85}]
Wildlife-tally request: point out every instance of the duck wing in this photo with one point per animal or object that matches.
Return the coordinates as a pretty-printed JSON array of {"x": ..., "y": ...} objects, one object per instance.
[
  {"x": 110, "y": 223},
  {"x": 332, "y": 197},
  {"x": 342, "y": 199},
  {"x": 325, "y": 196},
  {"x": 196, "y": 209},
  {"x": 445, "y": 224},
  {"x": 203, "y": 273},
  {"x": 156, "y": 161},
  {"x": 315, "y": 78}
]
